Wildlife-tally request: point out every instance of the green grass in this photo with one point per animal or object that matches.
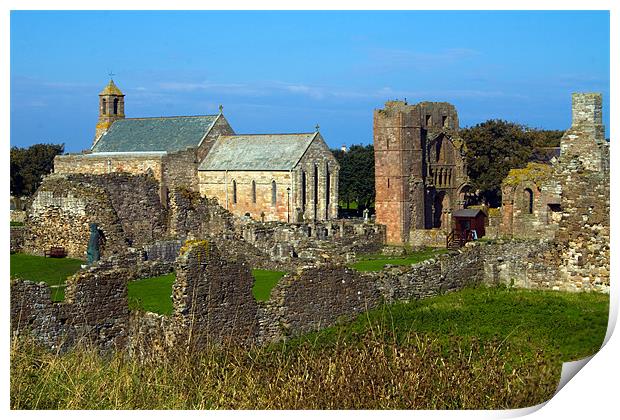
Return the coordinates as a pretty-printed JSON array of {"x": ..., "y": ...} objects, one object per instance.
[
  {"x": 377, "y": 262},
  {"x": 152, "y": 294},
  {"x": 482, "y": 348},
  {"x": 564, "y": 326},
  {"x": 53, "y": 271},
  {"x": 264, "y": 281},
  {"x": 17, "y": 223}
]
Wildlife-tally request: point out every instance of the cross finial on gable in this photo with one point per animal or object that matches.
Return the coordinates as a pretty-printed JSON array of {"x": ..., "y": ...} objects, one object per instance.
[
  {"x": 221, "y": 108},
  {"x": 111, "y": 74},
  {"x": 317, "y": 127}
]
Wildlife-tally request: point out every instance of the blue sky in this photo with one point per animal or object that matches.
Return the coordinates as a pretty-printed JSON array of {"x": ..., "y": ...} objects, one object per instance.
[{"x": 287, "y": 71}]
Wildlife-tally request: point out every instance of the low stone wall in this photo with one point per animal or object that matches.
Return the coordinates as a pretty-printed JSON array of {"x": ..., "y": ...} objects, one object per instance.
[
  {"x": 427, "y": 237},
  {"x": 308, "y": 243},
  {"x": 314, "y": 298},
  {"x": 94, "y": 312},
  {"x": 17, "y": 238},
  {"x": 317, "y": 297}
]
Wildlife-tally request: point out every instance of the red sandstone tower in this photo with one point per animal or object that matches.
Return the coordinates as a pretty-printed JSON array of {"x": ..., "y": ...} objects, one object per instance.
[{"x": 420, "y": 174}]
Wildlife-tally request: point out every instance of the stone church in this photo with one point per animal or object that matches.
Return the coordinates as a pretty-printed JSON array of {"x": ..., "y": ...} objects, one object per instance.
[
  {"x": 420, "y": 171},
  {"x": 269, "y": 177}
]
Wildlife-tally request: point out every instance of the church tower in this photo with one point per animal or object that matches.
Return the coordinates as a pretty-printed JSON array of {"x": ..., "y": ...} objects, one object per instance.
[{"x": 111, "y": 108}]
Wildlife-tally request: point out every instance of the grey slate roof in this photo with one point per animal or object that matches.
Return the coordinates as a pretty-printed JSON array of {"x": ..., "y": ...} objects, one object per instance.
[
  {"x": 169, "y": 134},
  {"x": 467, "y": 212},
  {"x": 258, "y": 152}
]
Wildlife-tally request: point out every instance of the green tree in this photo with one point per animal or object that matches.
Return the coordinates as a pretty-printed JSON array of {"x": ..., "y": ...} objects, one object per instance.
[
  {"x": 29, "y": 165},
  {"x": 495, "y": 147},
  {"x": 357, "y": 175}
]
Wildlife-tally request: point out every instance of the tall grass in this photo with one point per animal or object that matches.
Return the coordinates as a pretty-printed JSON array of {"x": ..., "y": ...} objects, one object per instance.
[{"x": 373, "y": 373}]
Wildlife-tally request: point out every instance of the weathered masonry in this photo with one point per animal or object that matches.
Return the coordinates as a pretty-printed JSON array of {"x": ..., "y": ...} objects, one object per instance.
[
  {"x": 276, "y": 177},
  {"x": 283, "y": 177},
  {"x": 420, "y": 172}
]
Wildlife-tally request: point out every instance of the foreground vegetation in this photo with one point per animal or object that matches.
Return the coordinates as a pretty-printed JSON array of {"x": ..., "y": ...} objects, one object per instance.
[
  {"x": 53, "y": 271},
  {"x": 478, "y": 348}
]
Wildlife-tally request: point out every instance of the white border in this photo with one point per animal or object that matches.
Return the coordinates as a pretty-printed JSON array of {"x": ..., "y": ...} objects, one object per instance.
[{"x": 592, "y": 394}]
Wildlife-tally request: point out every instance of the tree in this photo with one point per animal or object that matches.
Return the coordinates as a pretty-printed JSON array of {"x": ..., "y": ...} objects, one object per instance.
[
  {"x": 495, "y": 147},
  {"x": 357, "y": 175},
  {"x": 29, "y": 165}
]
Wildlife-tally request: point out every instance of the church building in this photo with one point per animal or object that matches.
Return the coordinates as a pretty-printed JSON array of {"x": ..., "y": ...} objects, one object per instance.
[{"x": 269, "y": 177}]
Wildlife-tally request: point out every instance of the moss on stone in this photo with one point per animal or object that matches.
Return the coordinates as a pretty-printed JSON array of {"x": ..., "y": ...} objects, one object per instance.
[
  {"x": 201, "y": 246},
  {"x": 533, "y": 172}
]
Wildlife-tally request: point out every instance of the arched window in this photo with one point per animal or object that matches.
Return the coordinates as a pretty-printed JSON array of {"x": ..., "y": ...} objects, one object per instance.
[
  {"x": 303, "y": 191},
  {"x": 327, "y": 188},
  {"x": 253, "y": 192},
  {"x": 115, "y": 106},
  {"x": 273, "y": 193},
  {"x": 316, "y": 190},
  {"x": 234, "y": 192},
  {"x": 529, "y": 200},
  {"x": 104, "y": 107}
]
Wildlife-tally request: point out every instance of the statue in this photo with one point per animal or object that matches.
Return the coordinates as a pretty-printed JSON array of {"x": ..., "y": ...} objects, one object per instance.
[
  {"x": 92, "y": 253},
  {"x": 366, "y": 215}
]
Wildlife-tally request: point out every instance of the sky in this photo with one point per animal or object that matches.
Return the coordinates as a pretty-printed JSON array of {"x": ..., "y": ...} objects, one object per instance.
[{"x": 279, "y": 72}]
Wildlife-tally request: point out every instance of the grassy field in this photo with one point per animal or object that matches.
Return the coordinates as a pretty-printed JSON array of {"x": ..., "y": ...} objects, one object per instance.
[
  {"x": 264, "y": 281},
  {"x": 53, "y": 271},
  {"x": 565, "y": 326},
  {"x": 152, "y": 294},
  {"x": 477, "y": 348},
  {"x": 377, "y": 262}
]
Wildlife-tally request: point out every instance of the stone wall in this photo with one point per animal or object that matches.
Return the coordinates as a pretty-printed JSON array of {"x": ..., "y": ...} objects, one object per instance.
[
  {"x": 61, "y": 213},
  {"x": 212, "y": 296},
  {"x": 250, "y": 192},
  {"x": 180, "y": 169},
  {"x": 420, "y": 171},
  {"x": 309, "y": 243},
  {"x": 94, "y": 311},
  {"x": 17, "y": 238},
  {"x": 323, "y": 206},
  {"x": 100, "y": 164},
  {"x": 125, "y": 207},
  {"x": 317, "y": 297}
]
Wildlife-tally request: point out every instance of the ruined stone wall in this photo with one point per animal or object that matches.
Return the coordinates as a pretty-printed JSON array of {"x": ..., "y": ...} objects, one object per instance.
[
  {"x": 535, "y": 219},
  {"x": 17, "y": 238},
  {"x": 317, "y": 297},
  {"x": 194, "y": 216},
  {"x": 212, "y": 297},
  {"x": 99, "y": 164},
  {"x": 307, "y": 243},
  {"x": 61, "y": 213},
  {"x": 126, "y": 209},
  {"x": 94, "y": 311},
  {"x": 410, "y": 187}
]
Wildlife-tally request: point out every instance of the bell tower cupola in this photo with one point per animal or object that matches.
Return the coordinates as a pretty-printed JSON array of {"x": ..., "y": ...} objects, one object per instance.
[{"x": 111, "y": 108}]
